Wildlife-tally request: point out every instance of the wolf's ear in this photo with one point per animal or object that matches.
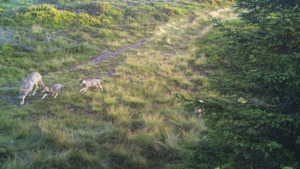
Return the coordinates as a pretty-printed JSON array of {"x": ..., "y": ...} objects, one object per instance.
[{"x": 80, "y": 79}]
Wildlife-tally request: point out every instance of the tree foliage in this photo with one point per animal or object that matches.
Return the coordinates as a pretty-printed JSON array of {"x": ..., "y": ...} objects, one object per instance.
[{"x": 256, "y": 123}]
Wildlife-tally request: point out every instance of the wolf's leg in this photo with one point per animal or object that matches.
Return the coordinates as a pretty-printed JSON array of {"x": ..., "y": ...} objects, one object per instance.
[
  {"x": 36, "y": 87},
  {"x": 81, "y": 90},
  {"x": 23, "y": 99},
  {"x": 44, "y": 96},
  {"x": 30, "y": 91},
  {"x": 85, "y": 89},
  {"x": 99, "y": 86},
  {"x": 56, "y": 95}
]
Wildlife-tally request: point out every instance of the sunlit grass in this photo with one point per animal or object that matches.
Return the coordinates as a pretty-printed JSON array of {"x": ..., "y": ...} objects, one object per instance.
[{"x": 136, "y": 122}]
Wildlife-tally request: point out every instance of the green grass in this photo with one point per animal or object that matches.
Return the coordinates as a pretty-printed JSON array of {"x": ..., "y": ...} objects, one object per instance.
[{"x": 136, "y": 122}]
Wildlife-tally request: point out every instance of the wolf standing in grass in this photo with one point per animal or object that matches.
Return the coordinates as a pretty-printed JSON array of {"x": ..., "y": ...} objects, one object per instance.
[
  {"x": 53, "y": 90},
  {"x": 32, "y": 79}
]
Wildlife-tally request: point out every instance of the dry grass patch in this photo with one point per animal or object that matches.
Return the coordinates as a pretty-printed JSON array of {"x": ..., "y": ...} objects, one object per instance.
[
  {"x": 120, "y": 113},
  {"x": 153, "y": 122}
]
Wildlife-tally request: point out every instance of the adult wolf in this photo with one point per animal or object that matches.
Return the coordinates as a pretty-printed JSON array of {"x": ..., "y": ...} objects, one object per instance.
[{"x": 32, "y": 79}]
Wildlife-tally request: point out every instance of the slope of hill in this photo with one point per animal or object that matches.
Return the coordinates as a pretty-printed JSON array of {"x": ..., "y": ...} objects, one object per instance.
[{"x": 136, "y": 122}]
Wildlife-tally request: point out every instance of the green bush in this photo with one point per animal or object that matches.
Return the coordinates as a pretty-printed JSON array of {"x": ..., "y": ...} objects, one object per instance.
[
  {"x": 165, "y": 12},
  {"x": 254, "y": 122},
  {"x": 49, "y": 16}
]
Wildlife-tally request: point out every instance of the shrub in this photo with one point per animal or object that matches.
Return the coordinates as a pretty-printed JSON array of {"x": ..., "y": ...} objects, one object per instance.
[
  {"x": 49, "y": 16},
  {"x": 166, "y": 12}
]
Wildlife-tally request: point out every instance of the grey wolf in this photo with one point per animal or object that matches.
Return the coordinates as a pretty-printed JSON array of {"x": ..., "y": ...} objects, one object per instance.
[
  {"x": 53, "y": 90},
  {"x": 90, "y": 83},
  {"x": 32, "y": 79}
]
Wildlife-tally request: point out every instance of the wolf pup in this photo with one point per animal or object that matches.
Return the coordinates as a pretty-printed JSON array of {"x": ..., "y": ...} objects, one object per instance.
[
  {"x": 53, "y": 90},
  {"x": 91, "y": 83},
  {"x": 32, "y": 79}
]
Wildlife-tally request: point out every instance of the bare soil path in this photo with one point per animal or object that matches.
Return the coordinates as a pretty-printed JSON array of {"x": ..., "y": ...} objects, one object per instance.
[
  {"x": 108, "y": 54},
  {"x": 102, "y": 56}
]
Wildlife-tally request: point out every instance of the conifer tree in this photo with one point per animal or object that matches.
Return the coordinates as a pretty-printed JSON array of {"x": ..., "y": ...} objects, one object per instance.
[{"x": 256, "y": 123}]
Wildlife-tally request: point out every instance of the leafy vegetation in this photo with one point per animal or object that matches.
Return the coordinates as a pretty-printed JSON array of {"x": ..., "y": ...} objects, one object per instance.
[{"x": 255, "y": 63}]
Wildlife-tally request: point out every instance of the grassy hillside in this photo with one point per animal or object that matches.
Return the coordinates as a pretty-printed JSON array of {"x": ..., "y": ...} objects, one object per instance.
[{"x": 136, "y": 122}]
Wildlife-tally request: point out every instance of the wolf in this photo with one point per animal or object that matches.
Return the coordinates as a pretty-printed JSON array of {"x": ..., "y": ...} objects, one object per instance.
[
  {"x": 32, "y": 79},
  {"x": 91, "y": 83},
  {"x": 53, "y": 90}
]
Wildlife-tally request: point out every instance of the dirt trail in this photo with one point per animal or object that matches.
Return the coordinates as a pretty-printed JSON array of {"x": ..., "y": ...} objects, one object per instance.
[
  {"x": 108, "y": 54},
  {"x": 102, "y": 56}
]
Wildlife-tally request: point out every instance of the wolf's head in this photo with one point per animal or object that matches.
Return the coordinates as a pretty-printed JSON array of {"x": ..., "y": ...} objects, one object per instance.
[
  {"x": 22, "y": 92},
  {"x": 45, "y": 89},
  {"x": 81, "y": 82}
]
